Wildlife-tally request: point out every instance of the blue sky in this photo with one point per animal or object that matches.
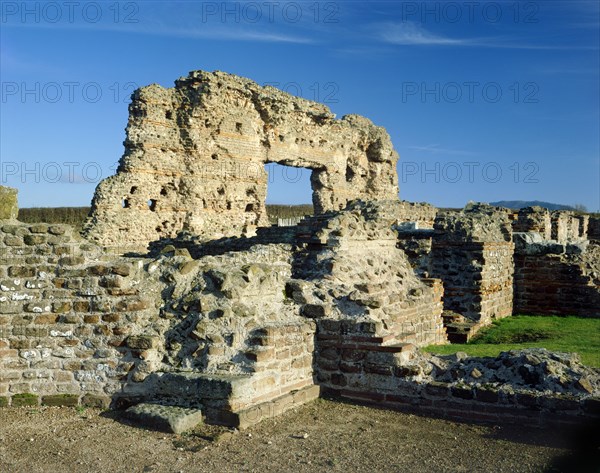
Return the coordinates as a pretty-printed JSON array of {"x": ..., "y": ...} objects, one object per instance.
[{"x": 483, "y": 100}]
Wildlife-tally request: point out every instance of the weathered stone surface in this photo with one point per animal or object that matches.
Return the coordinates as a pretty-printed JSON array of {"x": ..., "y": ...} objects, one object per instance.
[
  {"x": 165, "y": 418},
  {"x": 594, "y": 228},
  {"x": 195, "y": 156},
  {"x": 472, "y": 253},
  {"x": 8, "y": 203},
  {"x": 560, "y": 226},
  {"x": 550, "y": 280},
  {"x": 533, "y": 369},
  {"x": 357, "y": 274},
  {"x": 249, "y": 323},
  {"x": 61, "y": 400}
]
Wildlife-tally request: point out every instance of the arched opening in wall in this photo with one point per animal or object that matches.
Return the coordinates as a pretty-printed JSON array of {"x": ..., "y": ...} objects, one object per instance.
[{"x": 289, "y": 194}]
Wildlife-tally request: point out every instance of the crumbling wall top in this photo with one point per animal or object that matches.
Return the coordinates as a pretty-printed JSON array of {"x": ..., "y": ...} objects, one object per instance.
[{"x": 477, "y": 222}]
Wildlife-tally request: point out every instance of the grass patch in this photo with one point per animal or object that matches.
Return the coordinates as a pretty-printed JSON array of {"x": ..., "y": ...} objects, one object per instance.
[
  {"x": 25, "y": 399},
  {"x": 564, "y": 334}
]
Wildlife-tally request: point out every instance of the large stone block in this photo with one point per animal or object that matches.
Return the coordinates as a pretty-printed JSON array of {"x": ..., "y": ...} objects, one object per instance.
[{"x": 166, "y": 418}]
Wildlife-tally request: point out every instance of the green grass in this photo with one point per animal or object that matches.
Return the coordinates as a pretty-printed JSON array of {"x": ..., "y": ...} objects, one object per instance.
[{"x": 564, "y": 334}]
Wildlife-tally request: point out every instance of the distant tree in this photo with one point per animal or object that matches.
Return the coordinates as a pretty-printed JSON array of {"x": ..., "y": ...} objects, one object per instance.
[{"x": 580, "y": 208}]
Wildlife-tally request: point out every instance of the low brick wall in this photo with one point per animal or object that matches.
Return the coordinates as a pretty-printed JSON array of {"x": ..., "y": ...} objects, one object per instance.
[
  {"x": 280, "y": 377},
  {"x": 65, "y": 316},
  {"x": 79, "y": 326},
  {"x": 283, "y": 360},
  {"x": 354, "y": 364},
  {"x": 480, "y": 404},
  {"x": 551, "y": 285}
]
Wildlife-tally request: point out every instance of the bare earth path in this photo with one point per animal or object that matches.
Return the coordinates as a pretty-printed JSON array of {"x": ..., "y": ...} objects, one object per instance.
[{"x": 321, "y": 436}]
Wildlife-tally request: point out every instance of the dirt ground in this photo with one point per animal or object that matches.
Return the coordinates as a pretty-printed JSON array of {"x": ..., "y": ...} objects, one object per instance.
[{"x": 320, "y": 436}]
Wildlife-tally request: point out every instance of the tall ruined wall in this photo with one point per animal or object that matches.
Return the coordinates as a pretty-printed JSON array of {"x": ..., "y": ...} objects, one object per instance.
[
  {"x": 194, "y": 159},
  {"x": 472, "y": 253}
]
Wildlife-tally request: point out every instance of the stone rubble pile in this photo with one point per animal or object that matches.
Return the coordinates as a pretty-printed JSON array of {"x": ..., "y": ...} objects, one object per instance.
[{"x": 533, "y": 369}]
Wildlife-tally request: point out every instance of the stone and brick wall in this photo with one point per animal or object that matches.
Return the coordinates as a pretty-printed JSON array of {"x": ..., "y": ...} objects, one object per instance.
[
  {"x": 472, "y": 253},
  {"x": 80, "y": 326},
  {"x": 474, "y": 404},
  {"x": 416, "y": 244},
  {"x": 478, "y": 278},
  {"x": 65, "y": 315},
  {"x": 195, "y": 157},
  {"x": 422, "y": 214},
  {"x": 349, "y": 267},
  {"x": 253, "y": 326},
  {"x": 279, "y": 358},
  {"x": 594, "y": 228},
  {"x": 559, "y": 225},
  {"x": 549, "y": 281},
  {"x": 531, "y": 386}
]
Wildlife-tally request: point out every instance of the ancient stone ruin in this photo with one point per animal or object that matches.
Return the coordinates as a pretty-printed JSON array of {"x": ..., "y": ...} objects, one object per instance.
[
  {"x": 218, "y": 316},
  {"x": 195, "y": 154}
]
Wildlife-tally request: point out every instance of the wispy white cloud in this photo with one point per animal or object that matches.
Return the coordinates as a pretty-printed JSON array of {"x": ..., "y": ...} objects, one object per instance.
[
  {"x": 221, "y": 32},
  {"x": 409, "y": 33},
  {"x": 229, "y": 33},
  {"x": 412, "y": 34}
]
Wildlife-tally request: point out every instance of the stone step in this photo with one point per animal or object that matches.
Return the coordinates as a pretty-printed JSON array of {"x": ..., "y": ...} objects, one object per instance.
[
  {"x": 408, "y": 338},
  {"x": 227, "y": 400},
  {"x": 172, "y": 419},
  {"x": 198, "y": 389},
  {"x": 461, "y": 332}
]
